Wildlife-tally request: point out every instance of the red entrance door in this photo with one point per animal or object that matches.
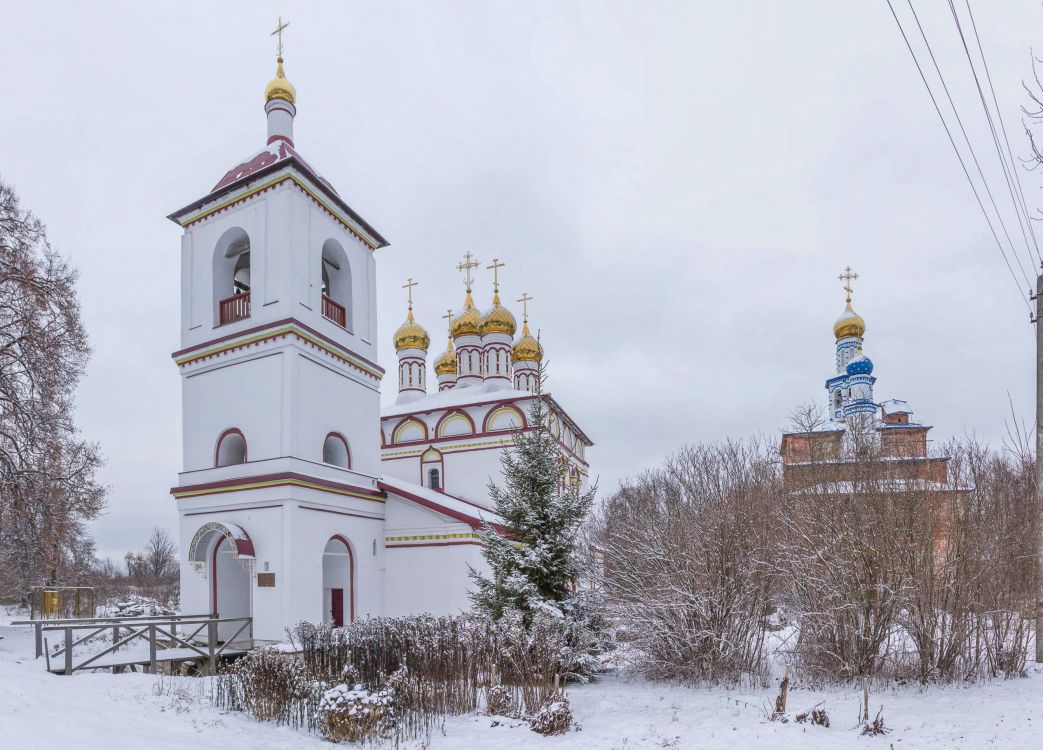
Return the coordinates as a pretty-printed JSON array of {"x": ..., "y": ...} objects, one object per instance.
[{"x": 337, "y": 605}]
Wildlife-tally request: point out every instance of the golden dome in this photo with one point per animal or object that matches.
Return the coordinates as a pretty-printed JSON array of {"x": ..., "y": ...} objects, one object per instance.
[
  {"x": 849, "y": 323},
  {"x": 280, "y": 88},
  {"x": 467, "y": 323},
  {"x": 498, "y": 320},
  {"x": 411, "y": 335},
  {"x": 445, "y": 364},
  {"x": 527, "y": 348}
]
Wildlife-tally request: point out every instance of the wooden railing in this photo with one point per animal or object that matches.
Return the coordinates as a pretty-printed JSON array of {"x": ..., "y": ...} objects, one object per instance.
[
  {"x": 335, "y": 312},
  {"x": 161, "y": 634},
  {"x": 236, "y": 307}
]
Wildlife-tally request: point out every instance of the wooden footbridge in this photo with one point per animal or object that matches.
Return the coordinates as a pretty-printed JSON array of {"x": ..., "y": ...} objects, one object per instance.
[{"x": 151, "y": 643}]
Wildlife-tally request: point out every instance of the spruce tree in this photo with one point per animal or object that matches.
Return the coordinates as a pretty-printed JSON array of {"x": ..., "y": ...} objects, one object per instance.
[{"x": 534, "y": 561}]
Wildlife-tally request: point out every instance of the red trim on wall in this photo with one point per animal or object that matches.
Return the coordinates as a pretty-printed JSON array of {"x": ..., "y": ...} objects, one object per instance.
[
  {"x": 213, "y": 574},
  {"x": 509, "y": 400},
  {"x": 404, "y": 420},
  {"x": 220, "y": 439},
  {"x": 472, "y": 521},
  {"x": 451, "y": 412},
  {"x": 227, "y": 510},
  {"x": 432, "y": 544},
  {"x": 512, "y": 407},
  {"x": 351, "y": 573},
  {"x": 347, "y": 448},
  {"x": 498, "y": 433},
  {"x": 339, "y": 513},
  {"x": 279, "y": 477}
]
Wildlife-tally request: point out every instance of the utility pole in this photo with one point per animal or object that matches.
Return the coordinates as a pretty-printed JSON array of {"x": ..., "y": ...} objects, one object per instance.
[{"x": 1039, "y": 465}]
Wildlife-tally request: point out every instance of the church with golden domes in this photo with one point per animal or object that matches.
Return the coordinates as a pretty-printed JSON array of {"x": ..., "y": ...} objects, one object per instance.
[{"x": 289, "y": 508}]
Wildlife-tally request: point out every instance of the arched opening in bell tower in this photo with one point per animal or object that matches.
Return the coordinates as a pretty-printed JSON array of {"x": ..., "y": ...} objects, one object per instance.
[
  {"x": 338, "y": 582},
  {"x": 231, "y": 274},
  {"x": 336, "y": 284}
]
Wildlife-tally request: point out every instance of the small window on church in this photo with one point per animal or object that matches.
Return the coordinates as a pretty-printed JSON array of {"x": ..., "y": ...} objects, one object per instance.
[
  {"x": 433, "y": 479},
  {"x": 231, "y": 448},
  {"x": 335, "y": 451}
]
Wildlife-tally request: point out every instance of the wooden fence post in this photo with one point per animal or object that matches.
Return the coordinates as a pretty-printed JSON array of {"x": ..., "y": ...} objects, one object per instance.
[
  {"x": 211, "y": 643},
  {"x": 68, "y": 651},
  {"x": 152, "y": 648},
  {"x": 39, "y": 639}
]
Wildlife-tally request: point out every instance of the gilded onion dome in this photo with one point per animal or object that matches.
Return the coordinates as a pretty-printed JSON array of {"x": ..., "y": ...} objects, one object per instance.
[
  {"x": 279, "y": 87},
  {"x": 849, "y": 323},
  {"x": 468, "y": 322},
  {"x": 498, "y": 320},
  {"x": 445, "y": 364},
  {"x": 411, "y": 335},
  {"x": 526, "y": 348}
]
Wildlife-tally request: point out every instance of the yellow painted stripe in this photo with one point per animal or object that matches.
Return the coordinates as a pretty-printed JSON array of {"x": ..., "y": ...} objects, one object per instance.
[
  {"x": 276, "y": 483},
  {"x": 356, "y": 231},
  {"x": 271, "y": 333},
  {"x": 428, "y": 537}
]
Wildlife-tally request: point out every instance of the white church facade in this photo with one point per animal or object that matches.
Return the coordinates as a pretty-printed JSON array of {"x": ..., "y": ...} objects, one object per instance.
[{"x": 289, "y": 508}]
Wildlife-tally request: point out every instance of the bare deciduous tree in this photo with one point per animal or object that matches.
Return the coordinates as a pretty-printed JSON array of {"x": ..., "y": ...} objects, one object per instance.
[{"x": 47, "y": 473}]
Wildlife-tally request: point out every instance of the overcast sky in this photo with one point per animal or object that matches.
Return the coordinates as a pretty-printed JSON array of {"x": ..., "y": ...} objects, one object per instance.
[{"x": 677, "y": 184}]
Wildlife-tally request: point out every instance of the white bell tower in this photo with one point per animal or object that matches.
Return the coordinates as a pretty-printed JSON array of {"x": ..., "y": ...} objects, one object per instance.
[{"x": 280, "y": 393}]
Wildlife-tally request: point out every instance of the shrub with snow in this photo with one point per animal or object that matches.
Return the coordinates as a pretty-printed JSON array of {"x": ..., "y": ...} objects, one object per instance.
[
  {"x": 354, "y": 714},
  {"x": 498, "y": 700},
  {"x": 554, "y": 717}
]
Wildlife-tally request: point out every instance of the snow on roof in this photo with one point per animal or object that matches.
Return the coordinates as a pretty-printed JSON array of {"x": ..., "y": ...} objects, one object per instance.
[
  {"x": 448, "y": 505},
  {"x": 475, "y": 395},
  {"x": 455, "y": 398},
  {"x": 274, "y": 152},
  {"x": 895, "y": 406}
]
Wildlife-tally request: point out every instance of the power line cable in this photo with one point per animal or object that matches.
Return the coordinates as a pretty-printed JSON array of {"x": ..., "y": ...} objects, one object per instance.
[
  {"x": 959, "y": 156},
  {"x": 1003, "y": 128},
  {"x": 967, "y": 140},
  {"x": 995, "y": 136}
]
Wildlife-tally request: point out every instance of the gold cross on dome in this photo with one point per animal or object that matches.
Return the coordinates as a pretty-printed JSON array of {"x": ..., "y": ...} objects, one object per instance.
[
  {"x": 496, "y": 266},
  {"x": 525, "y": 299},
  {"x": 847, "y": 277},
  {"x": 409, "y": 285},
  {"x": 470, "y": 262},
  {"x": 278, "y": 32}
]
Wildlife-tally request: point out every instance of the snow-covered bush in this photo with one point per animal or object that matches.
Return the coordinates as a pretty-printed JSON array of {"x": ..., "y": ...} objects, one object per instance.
[
  {"x": 554, "y": 716},
  {"x": 498, "y": 700},
  {"x": 452, "y": 662},
  {"x": 685, "y": 561},
  {"x": 269, "y": 685},
  {"x": 355, "y": 713}
]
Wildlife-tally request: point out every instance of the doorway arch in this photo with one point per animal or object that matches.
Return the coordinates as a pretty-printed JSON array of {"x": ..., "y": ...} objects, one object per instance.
[
  {"x": 338, "y": 582},
  {"x": 223, "y": 553}
]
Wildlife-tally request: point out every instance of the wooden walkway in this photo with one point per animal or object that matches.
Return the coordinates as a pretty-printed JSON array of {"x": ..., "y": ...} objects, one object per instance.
[{"x": 146, "y": 642}]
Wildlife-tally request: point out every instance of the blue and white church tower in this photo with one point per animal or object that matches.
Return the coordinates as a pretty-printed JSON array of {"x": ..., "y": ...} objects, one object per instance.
[{"x": 851, "y": 389}]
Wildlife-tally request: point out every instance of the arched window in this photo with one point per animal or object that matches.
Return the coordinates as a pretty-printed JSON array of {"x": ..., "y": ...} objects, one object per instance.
[
  {"x": 836, "y": 399},
  {"x": 231, "y": 273},
  {"x": 231, "y": 448},
  {"x": 434, "y": 479},
  {"x": 336, "y": 284},
  {"x": 335, "y": 451}
]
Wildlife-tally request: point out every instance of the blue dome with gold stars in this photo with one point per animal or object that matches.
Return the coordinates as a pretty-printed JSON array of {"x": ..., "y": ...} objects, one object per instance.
[{"x": 860, "y": 365}]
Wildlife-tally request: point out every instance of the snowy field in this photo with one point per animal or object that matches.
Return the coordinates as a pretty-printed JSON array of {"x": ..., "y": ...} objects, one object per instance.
[{"x": 135, "y": 711}]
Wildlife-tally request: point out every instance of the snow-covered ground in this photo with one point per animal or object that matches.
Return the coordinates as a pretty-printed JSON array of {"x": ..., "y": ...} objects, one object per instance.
[{"x": 134, "y": 711}]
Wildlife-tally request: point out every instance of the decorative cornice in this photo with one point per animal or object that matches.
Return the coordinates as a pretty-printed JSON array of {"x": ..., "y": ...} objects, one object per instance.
[
  {"x": 362, "y": 231},
  {"x": 276, "y": 329},
  {"x": 283, "y": 479},
  {"x": 465, "y": 538}
]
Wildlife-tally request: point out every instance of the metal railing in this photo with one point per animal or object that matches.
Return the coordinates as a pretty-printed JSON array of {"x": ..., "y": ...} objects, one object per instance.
[{"x": 159, "y": 631}]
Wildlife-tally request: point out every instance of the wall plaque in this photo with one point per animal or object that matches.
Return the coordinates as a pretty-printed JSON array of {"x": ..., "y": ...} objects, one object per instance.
[{"x": 266, "y": 580}]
